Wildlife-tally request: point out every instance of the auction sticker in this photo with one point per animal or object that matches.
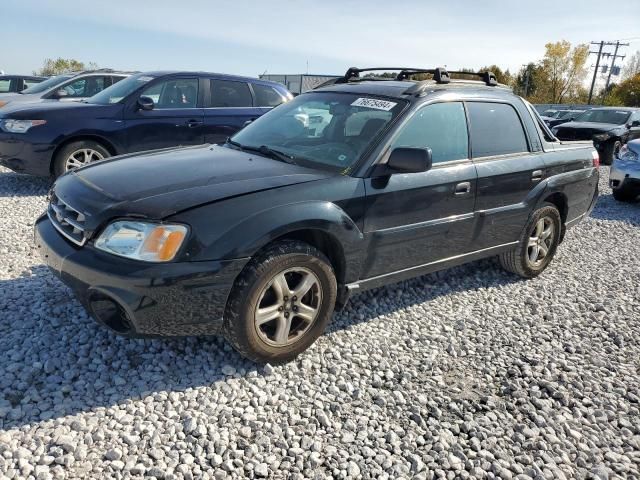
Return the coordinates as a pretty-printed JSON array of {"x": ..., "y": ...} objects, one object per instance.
[{"x": 374, "y": 103}]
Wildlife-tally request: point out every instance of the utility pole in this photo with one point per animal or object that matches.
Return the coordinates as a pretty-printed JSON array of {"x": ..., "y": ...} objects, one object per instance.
[
  {"x": 595, "y": 72},
  {"x": 526, "y": 80},
  {"x": 613, "y": 64}
]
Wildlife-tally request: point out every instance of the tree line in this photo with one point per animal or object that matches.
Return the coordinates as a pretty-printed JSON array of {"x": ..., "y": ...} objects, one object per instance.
[{"x": 559, "y": 77}]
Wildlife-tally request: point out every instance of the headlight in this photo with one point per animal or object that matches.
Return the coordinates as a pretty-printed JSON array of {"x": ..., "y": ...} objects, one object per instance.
[
  {"x": 628, "y": 155},
  {"x": 19, "y": 126},
  {"x": 601, "y": 137},
  {"x": 150, "y": 242}
]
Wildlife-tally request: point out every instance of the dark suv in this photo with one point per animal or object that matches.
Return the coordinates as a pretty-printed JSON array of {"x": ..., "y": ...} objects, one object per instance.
[
  {"x": 146, "y": 111},
  {"x": 348, "y": 187}
]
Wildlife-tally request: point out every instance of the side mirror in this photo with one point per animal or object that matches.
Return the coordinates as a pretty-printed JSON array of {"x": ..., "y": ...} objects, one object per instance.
[
  {"x": 635, "y": 123},
  {"x": 409, "y": 160},
  {"x": 145, "y": 103},
  {"x": 61, "y": 93}
]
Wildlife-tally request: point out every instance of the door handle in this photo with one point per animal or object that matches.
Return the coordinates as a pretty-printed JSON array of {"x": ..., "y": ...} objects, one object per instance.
[
  {"x": 193, "y": 123},
  {"x": 463, "y": 188},
  {"x": 536, "y": 175}
]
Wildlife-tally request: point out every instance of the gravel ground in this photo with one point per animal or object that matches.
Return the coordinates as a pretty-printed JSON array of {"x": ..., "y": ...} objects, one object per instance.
[{"x": 470, "y": 373}]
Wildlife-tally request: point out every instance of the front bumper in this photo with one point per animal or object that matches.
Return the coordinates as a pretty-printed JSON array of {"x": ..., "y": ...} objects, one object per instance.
[
  {"x": 141, "y": 299},
  {"x": 624, "y": 172},
  {"x": 22, "y": 156}
]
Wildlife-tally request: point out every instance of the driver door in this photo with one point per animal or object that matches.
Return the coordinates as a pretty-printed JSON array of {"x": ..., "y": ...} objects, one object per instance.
[{"x": 418, "y": 218}]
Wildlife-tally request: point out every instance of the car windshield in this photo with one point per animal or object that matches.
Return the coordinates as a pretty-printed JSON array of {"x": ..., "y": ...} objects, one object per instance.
[
  {"x": 616, "y": 117},
  {"x": 47, "y": 84},
  {"x": 120, "y": 90},
  {"x": 322, "y": 130}
]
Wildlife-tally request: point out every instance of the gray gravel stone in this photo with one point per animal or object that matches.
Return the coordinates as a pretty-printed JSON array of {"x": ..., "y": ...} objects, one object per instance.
[{"x": 467, "y": 373}]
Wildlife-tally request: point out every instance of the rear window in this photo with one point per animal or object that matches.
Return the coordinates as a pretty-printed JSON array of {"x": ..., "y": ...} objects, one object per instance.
[
  {"x": 495, "y": 129},
  {"x": 267, "y": 96},
  {"x": 225, "y": 93}
]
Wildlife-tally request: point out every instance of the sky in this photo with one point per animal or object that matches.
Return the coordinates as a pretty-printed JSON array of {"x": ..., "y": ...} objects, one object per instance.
[{"x": 284, "y": 36}]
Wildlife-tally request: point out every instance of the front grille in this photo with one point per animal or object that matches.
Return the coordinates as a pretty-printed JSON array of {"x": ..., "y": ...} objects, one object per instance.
[
  {"x": 67, "y": 220},
  {"x": 574, "y": 134}
]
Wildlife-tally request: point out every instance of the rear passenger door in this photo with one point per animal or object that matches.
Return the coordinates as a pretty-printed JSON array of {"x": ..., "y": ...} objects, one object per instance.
[
  {"x": 415, "y": 219},
  {"x": 508, "y": 171},
  {"x": 229, "y": 106}
]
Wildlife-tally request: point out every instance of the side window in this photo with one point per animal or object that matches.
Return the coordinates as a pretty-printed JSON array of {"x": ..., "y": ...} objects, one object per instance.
[
  {"x": 495, "y": 130},
  {"x": 29, "y": 83},
  {"x": 177, "y": 93},
  {"x": 442, "y": 127},
  {"x": 5, "y": 85},
  {"x": 85, "y": 87},
  {"x": 115, "y": 80},
  {"x": 225, "y": 93},
  {"x": 267, "y": 96}
]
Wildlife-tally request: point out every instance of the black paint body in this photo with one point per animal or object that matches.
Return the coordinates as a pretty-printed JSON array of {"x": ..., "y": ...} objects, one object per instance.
[{"x": 375, "y": 230}]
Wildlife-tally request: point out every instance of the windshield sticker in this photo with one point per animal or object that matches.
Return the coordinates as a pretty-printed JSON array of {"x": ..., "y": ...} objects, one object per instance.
[{"x": 374, "y": 103}]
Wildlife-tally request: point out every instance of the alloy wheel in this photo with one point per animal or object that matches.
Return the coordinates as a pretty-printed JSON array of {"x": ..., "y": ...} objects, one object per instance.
[
  {"x": 540, "y": 241},
  {"x": 288, "y": 306},
  {"x": 82, "y": 157}
]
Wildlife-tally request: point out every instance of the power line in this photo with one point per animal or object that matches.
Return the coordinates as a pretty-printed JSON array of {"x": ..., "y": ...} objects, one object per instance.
[{"x": 600, "y": 54}]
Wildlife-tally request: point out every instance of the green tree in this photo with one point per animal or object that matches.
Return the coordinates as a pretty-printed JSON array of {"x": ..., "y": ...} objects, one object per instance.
[
  {"x": 627, "y": 93},
  {"x": 563, "y": 70},
  {"x": 526, "y": 81},
  {"x": 63, "y": 65},
  {"x": 503, "y": 76}
]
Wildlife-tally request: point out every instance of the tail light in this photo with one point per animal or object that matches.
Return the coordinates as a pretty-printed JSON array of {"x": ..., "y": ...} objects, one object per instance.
[{"x": 596, "y": 158}]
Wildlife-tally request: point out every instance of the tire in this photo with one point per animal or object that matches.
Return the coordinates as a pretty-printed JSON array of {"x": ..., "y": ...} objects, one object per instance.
[
  {"x": 519, "y": 260},
  {"x": 610, "y": 152},
  {"x": 625, "y": 194},
  {"x": 85, "y": 152},
  {"x": 260, "y": 285}
]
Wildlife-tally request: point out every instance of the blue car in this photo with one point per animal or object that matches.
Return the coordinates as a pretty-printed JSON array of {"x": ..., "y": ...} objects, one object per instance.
[{"x": 146, "y": 111}]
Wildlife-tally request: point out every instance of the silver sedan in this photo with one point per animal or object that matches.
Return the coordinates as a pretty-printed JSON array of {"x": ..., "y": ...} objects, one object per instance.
[{"x": 624, "y": 177}]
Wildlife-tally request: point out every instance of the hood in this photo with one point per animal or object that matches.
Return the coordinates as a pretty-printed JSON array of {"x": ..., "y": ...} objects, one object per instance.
[
  {"x": 595, "y": 127},
  {"x": 161, "y": 183},
  {"x": 46, "y": 108}
]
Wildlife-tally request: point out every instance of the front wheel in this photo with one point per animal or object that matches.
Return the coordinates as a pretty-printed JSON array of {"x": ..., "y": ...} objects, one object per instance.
[
  {"x": 611, "y": 151},
  {"x": 281, "y": 302},
  {"x": 78, "y": 154},
  {"x": 537, "y": 244}
]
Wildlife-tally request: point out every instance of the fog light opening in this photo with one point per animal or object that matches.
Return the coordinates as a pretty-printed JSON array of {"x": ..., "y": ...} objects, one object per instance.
[{"x": 110, "y": 313}]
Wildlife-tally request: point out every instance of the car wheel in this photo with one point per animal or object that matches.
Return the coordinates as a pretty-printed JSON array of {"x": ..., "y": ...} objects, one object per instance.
[
  {"x": 280, "y": 303},
  {"x": 611, "y": 152},
  {"x": 537, "y": 245},
  {"x": 625, "y": 194},
  {"x": 78, "y": 154}
]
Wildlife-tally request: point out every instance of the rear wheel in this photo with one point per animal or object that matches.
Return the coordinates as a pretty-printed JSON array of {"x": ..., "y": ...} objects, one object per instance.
[
  {"x": 537, "y": 245},
  {"x": 78, "y": 154},
  {"x": 281, "y": 302}
]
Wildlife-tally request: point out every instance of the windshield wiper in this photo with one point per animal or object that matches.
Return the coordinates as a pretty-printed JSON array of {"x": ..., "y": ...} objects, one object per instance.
[{"x": 264, "y": 150}]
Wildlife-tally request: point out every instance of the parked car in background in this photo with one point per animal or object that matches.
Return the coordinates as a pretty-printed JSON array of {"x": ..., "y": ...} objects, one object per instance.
[
  {"x": 146, "y": 111},
  {"x": 66, "y": 87},
  {"x": 260, "y": 238},
  {"x": 609, "y": 128},
  {"x": 624, "y": 177},
  {"x": 562, "y": 116},
  {"x": 17, "y": 83}
]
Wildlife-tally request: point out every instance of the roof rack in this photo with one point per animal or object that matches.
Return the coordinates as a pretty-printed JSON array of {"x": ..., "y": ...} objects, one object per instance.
[{"x": 440, "y": 74}]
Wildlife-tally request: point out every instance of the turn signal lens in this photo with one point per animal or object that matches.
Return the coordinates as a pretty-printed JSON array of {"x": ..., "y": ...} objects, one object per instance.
[{"x": 149, "y": 242}]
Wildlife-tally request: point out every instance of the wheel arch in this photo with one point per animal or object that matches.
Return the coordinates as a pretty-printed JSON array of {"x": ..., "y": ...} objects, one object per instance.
[
  {"x": 79, "y": 138},
  {"x": 561, "y": 202}
]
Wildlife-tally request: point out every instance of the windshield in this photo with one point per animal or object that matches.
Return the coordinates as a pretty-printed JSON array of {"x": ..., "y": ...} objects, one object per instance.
[
  {"x": 120, "y": 90},
  {"x": 616, "y": 117},
  {"x": 323, "y": 130},
  {"x": 47, "y": 84}
]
